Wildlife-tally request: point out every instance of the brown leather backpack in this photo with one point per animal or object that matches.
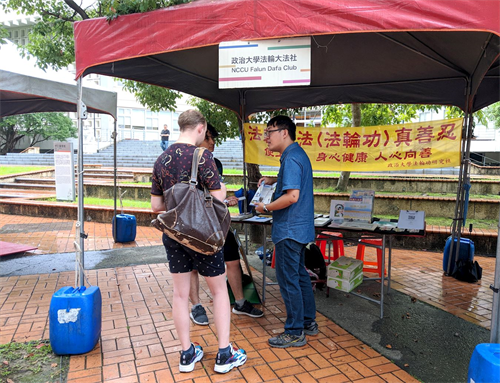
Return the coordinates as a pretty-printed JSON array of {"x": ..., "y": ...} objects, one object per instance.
[{"x": 193, "y": 217}]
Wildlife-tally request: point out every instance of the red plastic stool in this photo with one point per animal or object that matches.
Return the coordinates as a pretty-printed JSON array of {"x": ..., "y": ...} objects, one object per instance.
[
  {"x": 338, "y": 246},
  {"x": 360, "y": 254}
]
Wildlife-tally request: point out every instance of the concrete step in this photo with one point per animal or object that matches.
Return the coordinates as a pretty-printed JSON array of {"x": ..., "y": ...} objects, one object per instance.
[
  {"x": 109, "y": 175},
  {"x": 15, "y": 185},
  {"x": 28, "y": 180}
]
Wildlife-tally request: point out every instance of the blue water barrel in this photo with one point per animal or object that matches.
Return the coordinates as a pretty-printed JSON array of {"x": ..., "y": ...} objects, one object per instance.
[
  {"x": 75, "y": 320},
  {"x": 484, "y": 366},
  {"x": 126, "y": 228},
  {"x": 465, "y": 253}
]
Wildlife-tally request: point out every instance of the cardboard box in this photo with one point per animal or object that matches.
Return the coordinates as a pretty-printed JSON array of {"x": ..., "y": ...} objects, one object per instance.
[
  {"x": 343, "y": 284},
  {"x": 345, "y": 268}
]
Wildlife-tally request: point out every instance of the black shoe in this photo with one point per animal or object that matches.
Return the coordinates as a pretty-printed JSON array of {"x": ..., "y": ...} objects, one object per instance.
[
  {"x": 247, "y": 309},
  {"x": 311, "y": 329},
  {"x": 199, "y": 315},
  {"x": 285, "y": 340}
]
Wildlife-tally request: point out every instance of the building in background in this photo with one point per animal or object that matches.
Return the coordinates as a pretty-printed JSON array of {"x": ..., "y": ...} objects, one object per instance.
[
  {"x": 138, "y": 123},
  {"x": 134, "y": 120}
]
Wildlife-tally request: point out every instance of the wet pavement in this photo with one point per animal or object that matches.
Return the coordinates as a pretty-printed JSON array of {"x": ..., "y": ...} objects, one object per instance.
[{"x": 430, "y": 327}]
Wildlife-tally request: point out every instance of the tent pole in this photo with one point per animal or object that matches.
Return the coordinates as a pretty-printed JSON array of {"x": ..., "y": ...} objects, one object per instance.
[
  {"x": 495, "y": 310},
  {"x": 462, "y": 177},
  {"x": 242, "y": 120},
  {"x": 80, "y": 231},
  {"x": 114, "y": 182}
]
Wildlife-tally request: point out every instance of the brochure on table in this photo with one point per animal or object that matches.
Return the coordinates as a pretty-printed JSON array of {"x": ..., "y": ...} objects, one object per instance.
[
  {"x": 412, "y": 220},
  {"x": 361, "y": 205},
  {"x": 263, "y": 194},
  {"x": 356, "y": 213}
]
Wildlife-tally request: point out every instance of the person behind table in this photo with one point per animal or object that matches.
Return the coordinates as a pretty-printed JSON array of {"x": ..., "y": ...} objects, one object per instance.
[
  {"x": 174, "y": 166},
  {"x": 293, "y": 228},
  {"x": 165, "y": 135},
  {"x": 231, "y": 258}
]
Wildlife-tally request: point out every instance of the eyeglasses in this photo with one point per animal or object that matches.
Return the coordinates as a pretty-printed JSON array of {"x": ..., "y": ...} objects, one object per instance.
[{"x": 267, "y": 133}]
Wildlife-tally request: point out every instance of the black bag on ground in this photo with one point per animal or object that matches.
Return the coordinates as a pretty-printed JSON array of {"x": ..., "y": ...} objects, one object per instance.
[
  {"x": 315, "y": 262},
  {"x": 193, "y": 217},
  {"x": 467, "y": 271}
]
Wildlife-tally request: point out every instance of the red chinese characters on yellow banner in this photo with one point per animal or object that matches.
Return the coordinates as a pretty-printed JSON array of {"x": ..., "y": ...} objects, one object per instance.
[{"x": 421, "y": 145}]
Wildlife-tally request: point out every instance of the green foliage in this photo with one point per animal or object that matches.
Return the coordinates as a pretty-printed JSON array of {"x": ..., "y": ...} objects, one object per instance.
[
  {"x": 387, "y": 114},
  {"x": 224, "y": 120},
  {"x": 154, "y": 97},
  {"x": 453, "y": 112},
  {"x": 3, "y": 34},
  {"x": 38, "y": 127},
  {"x": 120, "y": 7},
  {"x": 264, "y": 117},
  {"x": 493, "y": 113},
  {"x": 51, "y": 40},
  {"x": 373, "y": 114}
]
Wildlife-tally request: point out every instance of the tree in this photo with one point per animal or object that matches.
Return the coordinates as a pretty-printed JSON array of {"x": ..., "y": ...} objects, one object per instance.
[
  {"x": 51, "y": 40},
  {"x": 38, "y": 127},
  {"x": 225, "y": 121},
  {"x": 493, "y": 113}
]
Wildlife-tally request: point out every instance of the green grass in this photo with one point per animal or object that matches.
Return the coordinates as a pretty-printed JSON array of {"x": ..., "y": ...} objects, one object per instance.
[
  {"x": 109, "y": 202},
  {"x": 31, "y": 362},
  {"x": 238, "y": 172},
  {"x": 439, "y": 221},
  {"x": 126, "y": 203},
  {"x": 6, "y": 170},
  {"x": 134, "y": 183},
  {"x": 416, "y": 194}
]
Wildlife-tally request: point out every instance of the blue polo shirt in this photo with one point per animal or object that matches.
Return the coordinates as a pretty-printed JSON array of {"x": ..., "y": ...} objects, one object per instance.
[{"x": 296, "y": 221}]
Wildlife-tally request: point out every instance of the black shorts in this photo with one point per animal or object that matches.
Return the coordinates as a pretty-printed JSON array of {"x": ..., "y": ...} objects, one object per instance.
[
  {"x": 231, "y": 252},
  {"x": 184, "y": 260}
]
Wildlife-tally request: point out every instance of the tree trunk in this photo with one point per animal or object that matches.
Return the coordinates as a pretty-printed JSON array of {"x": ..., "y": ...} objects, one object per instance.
[
  {"x": 11, "y": 139},
  {"x": 356, "y": 121},
  {"x": 256, "y": 232},
  {"x": 254, "y": 176}
]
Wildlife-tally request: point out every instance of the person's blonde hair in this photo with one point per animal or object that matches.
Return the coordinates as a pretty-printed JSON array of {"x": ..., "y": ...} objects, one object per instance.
[{"x": 190, "y": 119}]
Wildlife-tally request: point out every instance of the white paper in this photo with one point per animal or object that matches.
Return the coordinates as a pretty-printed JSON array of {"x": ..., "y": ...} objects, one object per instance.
[
  {"x": 64, "y": 316},
  {"x": 411, "y": 220}
]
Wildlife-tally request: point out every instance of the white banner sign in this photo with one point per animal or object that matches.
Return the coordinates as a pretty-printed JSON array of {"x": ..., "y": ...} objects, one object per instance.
[
  {"x": 265, "y": 63},
  {"x": 65, "y": 171}
]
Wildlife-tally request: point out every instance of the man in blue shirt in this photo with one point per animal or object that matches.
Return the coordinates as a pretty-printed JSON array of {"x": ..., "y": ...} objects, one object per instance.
[{"x": 293, "y": 228}]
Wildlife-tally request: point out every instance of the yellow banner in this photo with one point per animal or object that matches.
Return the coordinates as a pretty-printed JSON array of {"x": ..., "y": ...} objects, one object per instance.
[{"x": 421, "y": 145}]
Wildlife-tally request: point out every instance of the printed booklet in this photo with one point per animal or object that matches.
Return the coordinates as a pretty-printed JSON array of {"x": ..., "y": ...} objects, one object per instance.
[{"x": 263, "y": 194}]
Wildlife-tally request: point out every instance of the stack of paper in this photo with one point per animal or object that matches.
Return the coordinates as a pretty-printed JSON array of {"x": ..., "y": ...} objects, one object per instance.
[
  {"x": 241, "y": 217},
  {"x": 345, "y": 274}
]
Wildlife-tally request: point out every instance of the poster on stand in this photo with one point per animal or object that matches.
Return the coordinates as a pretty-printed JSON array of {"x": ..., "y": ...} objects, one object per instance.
[{"x": 64, "y": 171}]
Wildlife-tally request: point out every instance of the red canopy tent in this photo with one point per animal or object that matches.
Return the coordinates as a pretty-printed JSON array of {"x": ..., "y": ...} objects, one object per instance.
[
  {"x": 396, "y": 51},
  {"x": 362, "y": 51}
]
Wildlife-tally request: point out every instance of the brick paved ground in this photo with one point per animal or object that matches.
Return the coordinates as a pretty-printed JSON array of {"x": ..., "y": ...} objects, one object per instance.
[{"x": 138, "y": 339}]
